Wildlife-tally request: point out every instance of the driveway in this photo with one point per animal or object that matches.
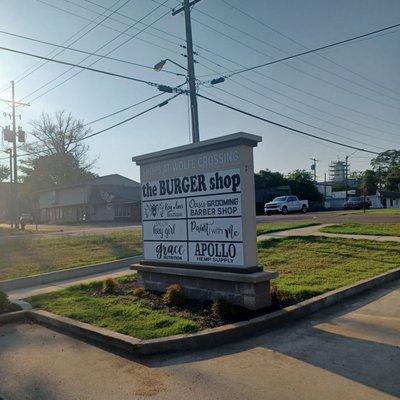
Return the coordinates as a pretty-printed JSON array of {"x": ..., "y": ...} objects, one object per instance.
[{"x": 350, "y": 351}]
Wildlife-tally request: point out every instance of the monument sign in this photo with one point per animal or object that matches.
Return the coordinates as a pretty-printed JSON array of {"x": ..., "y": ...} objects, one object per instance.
[{"x": 198, "y": 208}]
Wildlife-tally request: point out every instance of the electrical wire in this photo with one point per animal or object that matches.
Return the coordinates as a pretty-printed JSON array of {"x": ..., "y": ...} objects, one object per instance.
[
  {"x": 330, "y": 45},
  {"x": 40, "y": 64},
  {"x": 86, "y": 52},
  {"x": 163, "y": 103},
  {"x": 297, "y": 120},
  {"x": 253, "y": 37},
  {"x": 165, "y": 33},
  {"x": 247, "y": 46},
  {"x": 81, "y": 66},
  {"x": 285, "y": 126},
  {"x": 252, "y": 17},
  {"x": 94, "y": 62}
]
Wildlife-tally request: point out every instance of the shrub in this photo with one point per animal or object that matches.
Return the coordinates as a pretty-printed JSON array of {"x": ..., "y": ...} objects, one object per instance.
[
  {"x": 222, "y": 308},
  {"x": 4, "y": 302},
  {"x": 174, "y": 296},
  {"x": 139, "y": 292},
  {"x": 110, "y": 286}
]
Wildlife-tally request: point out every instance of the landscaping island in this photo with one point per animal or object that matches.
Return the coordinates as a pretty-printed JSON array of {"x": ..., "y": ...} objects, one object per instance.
[{"x": 307, "y": 267}]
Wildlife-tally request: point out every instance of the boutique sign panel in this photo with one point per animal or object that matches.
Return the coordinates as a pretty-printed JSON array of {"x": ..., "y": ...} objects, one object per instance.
[{"x": 194, "y": 218}]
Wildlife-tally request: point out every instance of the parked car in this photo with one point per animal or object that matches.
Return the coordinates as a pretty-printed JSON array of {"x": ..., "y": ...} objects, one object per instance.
[
  {"x": 285, "y": 204},
  {"x": 357, "y": 203},
  {"x": 25, "y": 219}
]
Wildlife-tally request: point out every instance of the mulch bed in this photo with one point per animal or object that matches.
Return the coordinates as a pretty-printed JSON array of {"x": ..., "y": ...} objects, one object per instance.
[{"x": 199, "y": 311}]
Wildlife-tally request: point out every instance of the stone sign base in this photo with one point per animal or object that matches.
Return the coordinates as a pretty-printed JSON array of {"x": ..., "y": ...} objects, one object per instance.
[{"x": 251, "y": 290}]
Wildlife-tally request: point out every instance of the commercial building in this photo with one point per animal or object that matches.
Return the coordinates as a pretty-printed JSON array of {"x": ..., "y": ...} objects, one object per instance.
[{"x": 106, "y": 198}]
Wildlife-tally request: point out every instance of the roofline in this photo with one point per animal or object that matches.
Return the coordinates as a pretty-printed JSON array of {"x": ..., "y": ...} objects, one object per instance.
[{"x": 83, "y": 183}]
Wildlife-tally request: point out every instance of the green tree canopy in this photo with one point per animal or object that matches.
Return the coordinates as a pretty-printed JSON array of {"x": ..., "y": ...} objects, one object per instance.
[
  {"x": 266, "y": 179},
  {"x": 385, "y": 161},
  {"x": 392, "y": 181},
  {"x": 369, "y": 181},
  {"x": 302, "y": 184}
]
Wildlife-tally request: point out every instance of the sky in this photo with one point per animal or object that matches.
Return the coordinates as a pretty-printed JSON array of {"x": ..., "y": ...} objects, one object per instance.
[{"x": 349, "y": 93}]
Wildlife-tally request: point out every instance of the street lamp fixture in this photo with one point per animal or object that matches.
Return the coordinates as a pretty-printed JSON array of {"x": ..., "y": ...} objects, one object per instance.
[{"x": 160, "y": 65}]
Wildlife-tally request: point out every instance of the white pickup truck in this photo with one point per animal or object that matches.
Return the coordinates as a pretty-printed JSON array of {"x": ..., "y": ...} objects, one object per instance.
[{"x": 285, "y": 204}]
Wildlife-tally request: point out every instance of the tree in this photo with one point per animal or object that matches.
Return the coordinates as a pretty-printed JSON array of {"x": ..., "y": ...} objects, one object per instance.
[
  {"x": 302, "y": 184},
  {"x": 385, "y": 161},
  {"x": 266, "y": 179},
  {"x": 62, "y": 156},
  {"x": 53, "y": 170},
  {"x": 392, "y": 181},
  {"x": 369, "y": 181},
  {"x": 4, "y": 173}
]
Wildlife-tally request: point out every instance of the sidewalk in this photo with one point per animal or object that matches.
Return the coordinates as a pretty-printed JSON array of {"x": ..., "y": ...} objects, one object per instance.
[
  {"x": 314, "y": 231},
  {"x": 54, "y": 286}
]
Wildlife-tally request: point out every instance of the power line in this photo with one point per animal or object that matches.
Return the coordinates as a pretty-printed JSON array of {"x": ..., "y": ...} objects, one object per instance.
[
  {"x": 228, "y": 75},
  {"x": 129, "y": 107},
  {"x": 165, "y": 33},
  {"x": 305, "y": 47},
  {"x": 40, "y": 65},
  {"x": 81, "y": 66},
  {"x": 94, "y": 62},
  {"x": 296, "y": 120},
  {"x": 315, "y": 49},
  {"x": 163, "y": 103},
  {"x": 284, "y": 126},
  {"x": 252, "y": 17},
  {"x": 317, "y": 97},
  {"x": 86, "y": 52},
  {"x": 252, "y": 90},
  {"x": 293, "y": 98},
  {"x": 304, "y": 61}
]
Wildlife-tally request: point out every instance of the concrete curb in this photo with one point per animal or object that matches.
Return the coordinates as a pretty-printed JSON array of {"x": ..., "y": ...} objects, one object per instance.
[
  {"x": 64, "y": 274},
  {"x": 206, "y": 338}
]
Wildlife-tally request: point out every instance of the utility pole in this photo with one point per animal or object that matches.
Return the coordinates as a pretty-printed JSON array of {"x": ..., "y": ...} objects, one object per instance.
[
  {"x": 346, "y": 172},
  {"x": 14, "y": 152},
  {"x": 14, "y": 129},
  {"x": 9, "y": 152},
  {"x": 190, "y": 62},
  {"x": 314, "y": 167}
]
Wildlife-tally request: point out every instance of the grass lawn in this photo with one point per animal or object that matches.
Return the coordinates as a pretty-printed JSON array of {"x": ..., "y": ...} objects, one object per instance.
[
  {"x": 307, "y": 267},
  {"x": 29, "y": 255},
  {"x": 283, "y": 226},
  {"x": 382, "y": 211},
  {"x": 7, "y": 231},
  {"x": 310, "y": 266},
  {"x": 381, "y": 229},
  {"x": 121, "y": 313}
]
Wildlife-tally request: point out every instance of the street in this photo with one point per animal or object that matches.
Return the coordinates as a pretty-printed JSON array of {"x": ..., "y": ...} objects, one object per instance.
[{"x": 322, "y": 217}]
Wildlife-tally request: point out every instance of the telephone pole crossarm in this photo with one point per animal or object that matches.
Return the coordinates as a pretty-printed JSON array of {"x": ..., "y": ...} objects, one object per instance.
[{"x": 179, "y": 10}]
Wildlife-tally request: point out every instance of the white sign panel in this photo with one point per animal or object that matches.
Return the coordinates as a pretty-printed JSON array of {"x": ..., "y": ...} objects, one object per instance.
[
  {"x": 219, "y": 229},
  {"x": 224, "y": 253},
  {"x": 214, "y": 206},
  {"x": 194, "y": 219},
  {"x": 193, "y": 185},
  {"x": 164, "y": 209},
  {"x": 165, "y": 230},
  {"x": 165, "y": 251}
]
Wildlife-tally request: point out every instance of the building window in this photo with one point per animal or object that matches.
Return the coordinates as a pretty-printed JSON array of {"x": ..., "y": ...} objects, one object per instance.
[{"x": 122, "y": 211}]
